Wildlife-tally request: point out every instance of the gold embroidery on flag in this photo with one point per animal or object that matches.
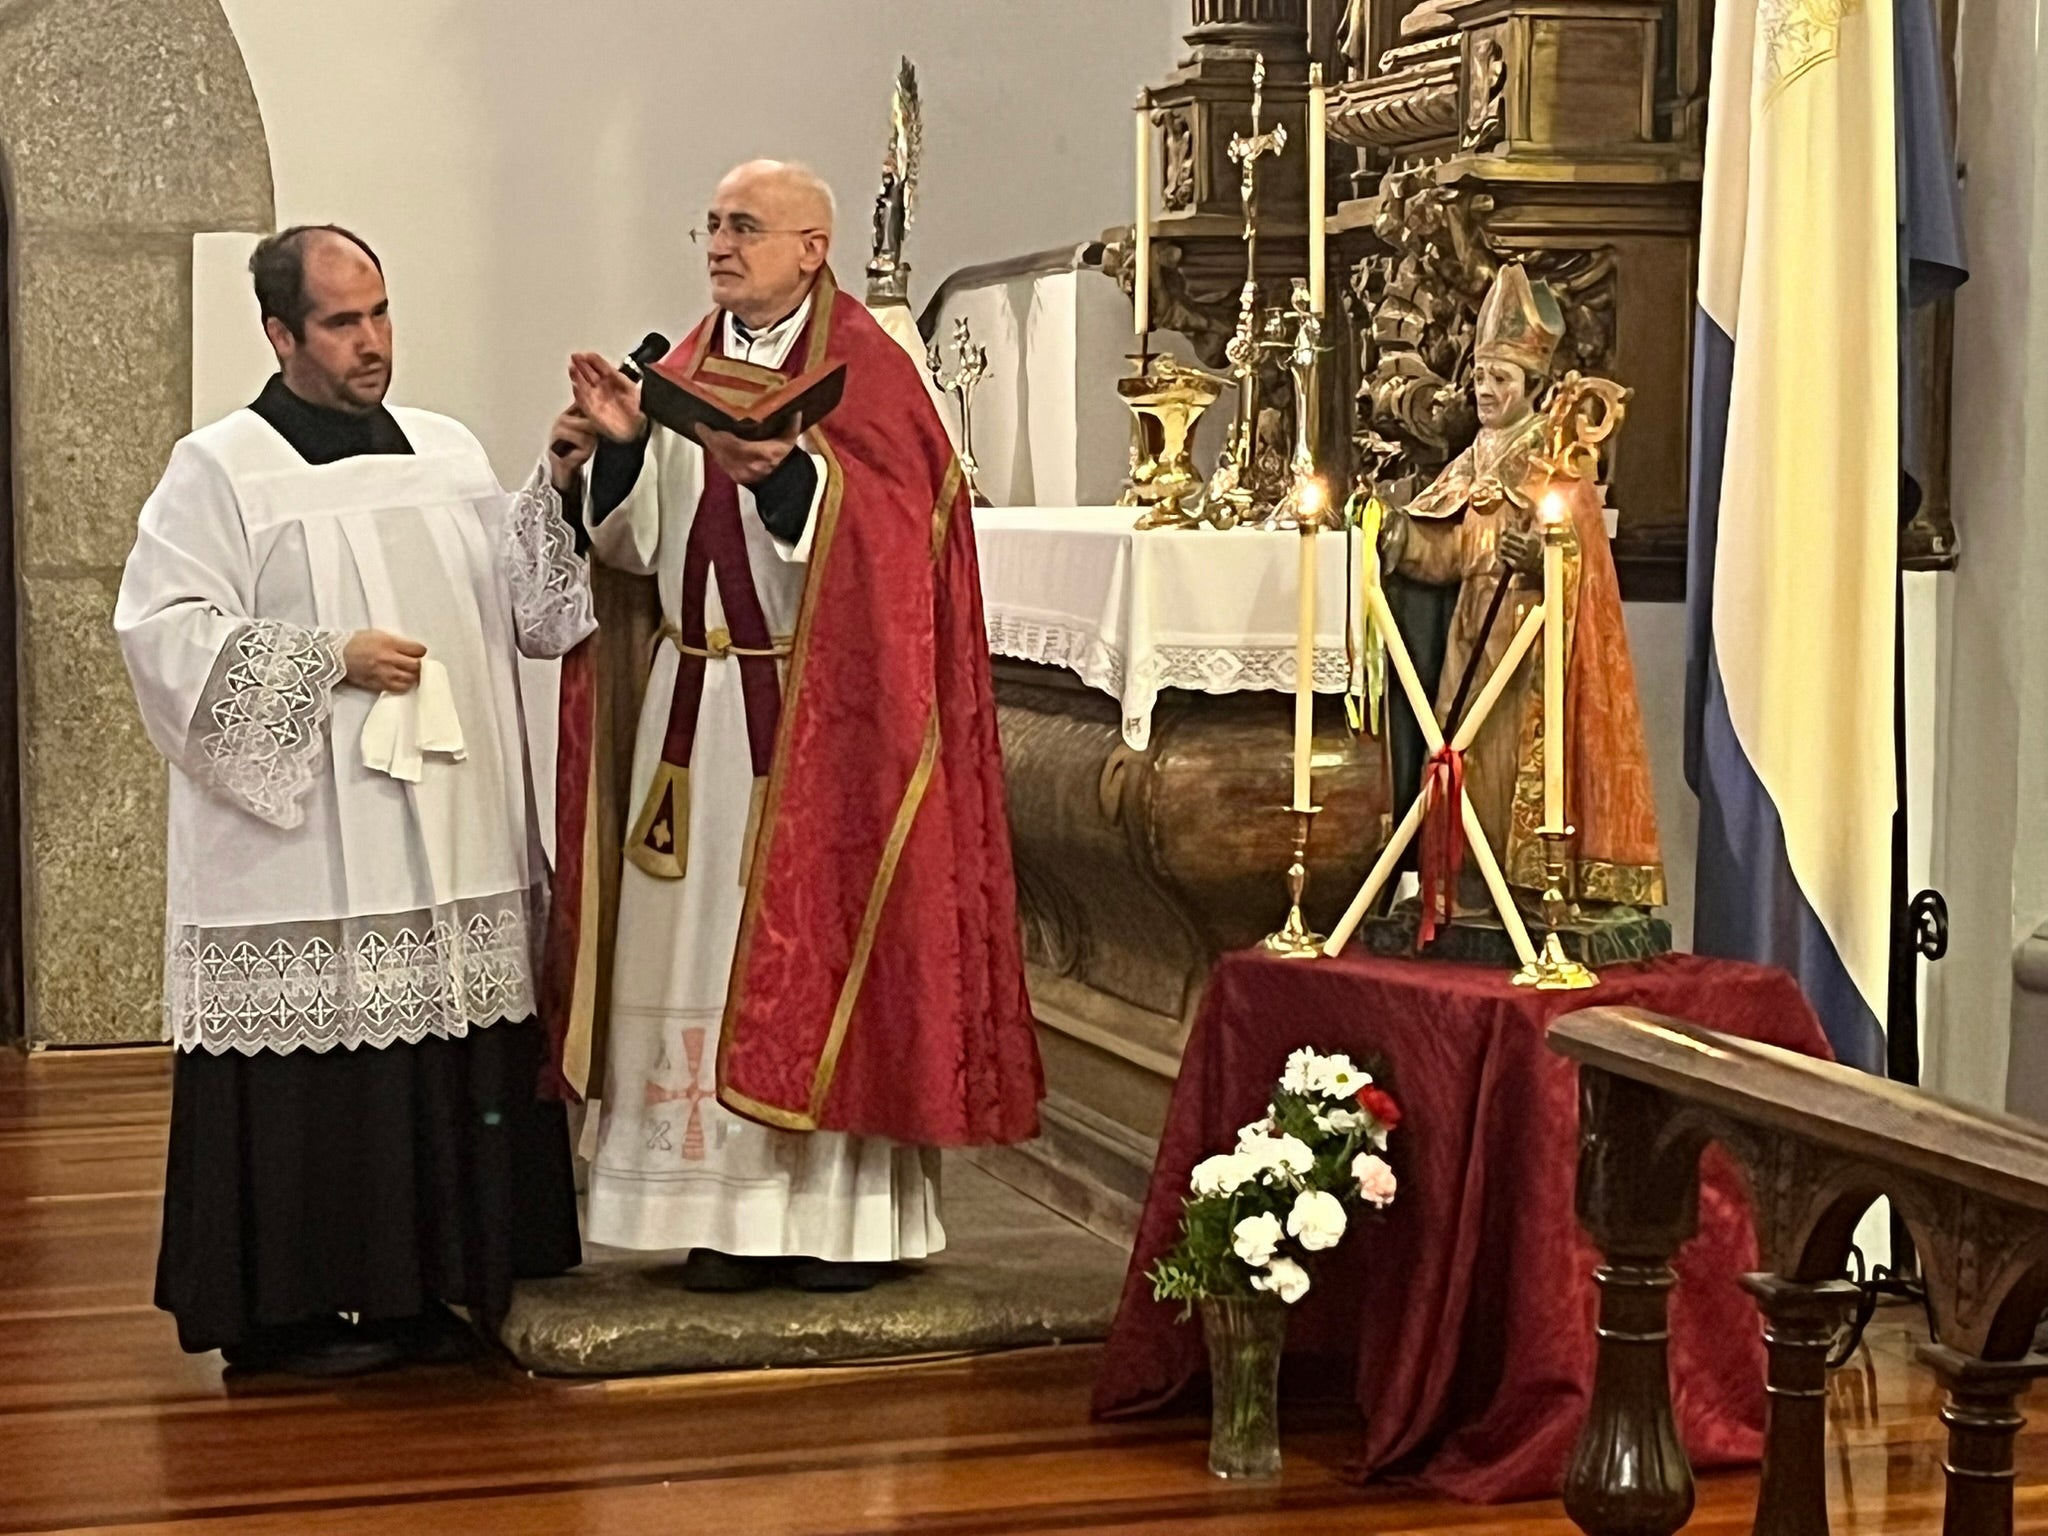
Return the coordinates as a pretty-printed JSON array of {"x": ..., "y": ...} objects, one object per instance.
[{"x": 1799, "y": 35}]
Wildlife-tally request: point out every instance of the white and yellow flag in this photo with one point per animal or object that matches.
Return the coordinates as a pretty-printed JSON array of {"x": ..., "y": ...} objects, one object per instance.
[{"x": 1795, "y": 516}]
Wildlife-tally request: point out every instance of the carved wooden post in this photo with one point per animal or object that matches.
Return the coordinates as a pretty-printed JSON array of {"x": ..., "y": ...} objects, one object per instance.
[
  {"x": 1638, "y": 1199},
  {"x": 1799, "y": 1327},
  {"x": 1982, "y": 1420},
  {"x": 1277, "y": 28}
]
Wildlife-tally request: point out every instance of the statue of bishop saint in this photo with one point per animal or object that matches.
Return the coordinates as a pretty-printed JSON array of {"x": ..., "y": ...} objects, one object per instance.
[{"x": 1477, "y": 524}]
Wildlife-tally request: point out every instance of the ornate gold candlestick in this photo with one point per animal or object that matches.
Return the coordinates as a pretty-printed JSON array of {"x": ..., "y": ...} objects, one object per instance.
[
  {"x": 1307, "y": 499},
  {"x": 1232, "y": 496},
  {"x": 1294, "y": 941}
]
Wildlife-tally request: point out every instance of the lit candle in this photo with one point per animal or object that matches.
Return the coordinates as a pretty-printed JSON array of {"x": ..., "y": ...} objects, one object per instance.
[
  {"x": 1553, "y": 513},
  {"x": 1305, "y": 646},
  {"x": 1318, "y": 185},
  {"x": 1141, "y": 283}
]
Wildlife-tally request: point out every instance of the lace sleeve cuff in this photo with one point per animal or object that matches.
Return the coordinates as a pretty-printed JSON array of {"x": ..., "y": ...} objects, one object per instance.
[
  {"x": 260, "y": 732},
  {"x": 550, "y": 581}
]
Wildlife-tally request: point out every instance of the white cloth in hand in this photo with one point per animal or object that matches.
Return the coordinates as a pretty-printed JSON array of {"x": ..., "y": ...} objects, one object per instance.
[{"x": 404, "y": 727}]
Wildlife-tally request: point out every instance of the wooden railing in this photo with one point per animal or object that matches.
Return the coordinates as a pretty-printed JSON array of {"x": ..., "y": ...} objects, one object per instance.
[{"x": 1818, "y": 1143}]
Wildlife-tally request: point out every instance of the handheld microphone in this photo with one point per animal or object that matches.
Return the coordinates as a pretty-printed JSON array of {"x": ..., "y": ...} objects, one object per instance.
[{"x": 653, "y": 347}]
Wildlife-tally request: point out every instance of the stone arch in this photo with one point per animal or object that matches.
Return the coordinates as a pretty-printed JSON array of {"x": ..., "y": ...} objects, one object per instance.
[{"x": 126, "y": 127}]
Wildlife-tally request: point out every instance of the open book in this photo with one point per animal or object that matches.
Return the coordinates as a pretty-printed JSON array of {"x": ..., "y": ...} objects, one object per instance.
[{"x": 750, "y": 403}]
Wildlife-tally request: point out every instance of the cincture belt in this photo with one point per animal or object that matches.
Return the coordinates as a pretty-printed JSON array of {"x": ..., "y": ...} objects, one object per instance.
[{"x": 718, "y": 644}]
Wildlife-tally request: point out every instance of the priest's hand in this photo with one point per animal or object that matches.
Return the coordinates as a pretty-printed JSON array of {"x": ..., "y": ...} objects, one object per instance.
[
  {"x": 383, "y": 663},
  {"x": 1521, "y": 551},
  {"x": 607, "y": 398},
  {"x": 747, "y": 463},
  {"x": 571, "y": 442}
]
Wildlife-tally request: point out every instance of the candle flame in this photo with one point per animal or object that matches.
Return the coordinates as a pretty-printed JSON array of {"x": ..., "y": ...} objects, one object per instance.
[
  {"x": 1552, "y": 510},
  {"x": 1314, "y": 496}
]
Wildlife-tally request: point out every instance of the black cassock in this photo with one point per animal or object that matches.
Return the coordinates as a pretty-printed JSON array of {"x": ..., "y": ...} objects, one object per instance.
[{"x": 373, "y": 1181}]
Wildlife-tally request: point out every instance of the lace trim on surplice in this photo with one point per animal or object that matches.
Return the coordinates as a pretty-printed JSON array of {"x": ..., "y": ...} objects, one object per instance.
[
  {"x": 354, "y": 981},
  {"x": 261, "y": 727},
  {"x": 552, "y": 610}
]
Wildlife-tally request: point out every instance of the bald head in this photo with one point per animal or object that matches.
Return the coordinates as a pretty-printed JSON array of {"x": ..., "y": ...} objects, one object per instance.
[
  {"x": 794, "y": 193},
  {"x": 770, "y": 228}
]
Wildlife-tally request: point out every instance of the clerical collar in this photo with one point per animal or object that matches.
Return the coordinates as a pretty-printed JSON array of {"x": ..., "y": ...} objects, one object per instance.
[
  {"x": 769, "y": 345},
  {"x": 321, "y": 435}
]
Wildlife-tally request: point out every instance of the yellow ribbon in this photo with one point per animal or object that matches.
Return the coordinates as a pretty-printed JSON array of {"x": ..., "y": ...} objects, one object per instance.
[{"x": 1367, "y": 692}]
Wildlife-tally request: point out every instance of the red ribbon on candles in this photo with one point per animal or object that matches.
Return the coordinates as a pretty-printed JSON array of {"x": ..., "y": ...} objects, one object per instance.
[{"x": 1443, "y": 840}]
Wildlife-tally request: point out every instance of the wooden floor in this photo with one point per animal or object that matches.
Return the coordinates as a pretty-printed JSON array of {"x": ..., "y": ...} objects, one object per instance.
[{"x": 105, "y": 1425}]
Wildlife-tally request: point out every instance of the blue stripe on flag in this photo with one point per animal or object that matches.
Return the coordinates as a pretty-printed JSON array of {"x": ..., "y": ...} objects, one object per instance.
[{"x": 1747, "y": 901}]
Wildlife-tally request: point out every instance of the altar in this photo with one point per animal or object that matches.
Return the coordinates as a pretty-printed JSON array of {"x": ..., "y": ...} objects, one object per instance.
[{"x": 1144, "y": 688}]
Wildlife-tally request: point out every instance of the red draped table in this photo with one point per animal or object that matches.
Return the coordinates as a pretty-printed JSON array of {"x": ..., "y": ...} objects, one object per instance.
[{"x": 1464, "y": 1319}]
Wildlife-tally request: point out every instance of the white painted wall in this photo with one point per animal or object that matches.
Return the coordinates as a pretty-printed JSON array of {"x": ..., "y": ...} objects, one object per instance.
[{"x": 528, "y": 169}]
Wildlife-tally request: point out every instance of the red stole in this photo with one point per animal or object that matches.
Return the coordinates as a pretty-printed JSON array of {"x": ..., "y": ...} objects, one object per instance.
[{"x": 659, "y": 840}]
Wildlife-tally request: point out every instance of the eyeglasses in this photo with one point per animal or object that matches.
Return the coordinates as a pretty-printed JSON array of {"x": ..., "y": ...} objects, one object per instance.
[{"x": 742, "y": 234}]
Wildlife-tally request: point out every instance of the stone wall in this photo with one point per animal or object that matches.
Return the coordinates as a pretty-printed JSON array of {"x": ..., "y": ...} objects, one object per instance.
[{"x": 127, "y": 126}]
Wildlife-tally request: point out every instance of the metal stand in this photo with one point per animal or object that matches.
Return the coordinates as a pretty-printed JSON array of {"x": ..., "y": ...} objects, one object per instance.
[{"x": 1294, "y": 941}]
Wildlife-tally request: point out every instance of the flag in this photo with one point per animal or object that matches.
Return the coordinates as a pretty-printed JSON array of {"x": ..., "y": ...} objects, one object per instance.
[{"x": 1795, "y": 504}]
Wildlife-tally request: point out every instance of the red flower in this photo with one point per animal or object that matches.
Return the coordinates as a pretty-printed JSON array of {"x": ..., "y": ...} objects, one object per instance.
[{"x": 1378, "y": 1103}]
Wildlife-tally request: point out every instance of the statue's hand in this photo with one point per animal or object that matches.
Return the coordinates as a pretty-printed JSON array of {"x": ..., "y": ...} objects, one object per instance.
[{"x": 1521, "y": 550}]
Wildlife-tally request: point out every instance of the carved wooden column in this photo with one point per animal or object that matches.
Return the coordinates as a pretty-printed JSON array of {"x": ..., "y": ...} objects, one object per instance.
[
  {"x": 1982, "y": 1418},
  {"x": 1799, "y": 1327},
  {"x": 1277, "y": 28},
  {"x": 1638, "y": 1200}
]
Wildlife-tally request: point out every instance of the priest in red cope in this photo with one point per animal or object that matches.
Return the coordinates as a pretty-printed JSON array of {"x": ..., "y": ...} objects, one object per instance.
[{"x": 785, "y": 959}]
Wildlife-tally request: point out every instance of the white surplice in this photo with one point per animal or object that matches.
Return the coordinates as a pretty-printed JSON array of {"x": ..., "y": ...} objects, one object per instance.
[
  {"x": 673, "y": 1168},
  {"x": 315, "y": 902}
]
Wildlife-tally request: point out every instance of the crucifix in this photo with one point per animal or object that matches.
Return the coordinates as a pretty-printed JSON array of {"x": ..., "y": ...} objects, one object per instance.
[{"x": 1231, "y": 488}]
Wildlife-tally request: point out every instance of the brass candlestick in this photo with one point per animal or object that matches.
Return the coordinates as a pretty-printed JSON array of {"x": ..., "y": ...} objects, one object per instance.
[
  {"x": 970, "y": 367},
  {"x": 1232, "y": 496},
  {"x": 1294, "y": 941},
  {"x": 1553, "y": 970},
  {"x": 1307, "y": 499}
]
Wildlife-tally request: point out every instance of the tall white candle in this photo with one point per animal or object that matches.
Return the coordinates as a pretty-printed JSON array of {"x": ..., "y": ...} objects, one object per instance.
[
  {"x": 1318, "y": 187},
  {"x": 1552, "y": 512},
  {"x": 1305, "y": 672},
  {"x": 1141, "y": 283}
]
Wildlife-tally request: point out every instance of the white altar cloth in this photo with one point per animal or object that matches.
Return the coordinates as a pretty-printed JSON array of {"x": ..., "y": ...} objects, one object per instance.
[{"x": 1133, "y": 613}]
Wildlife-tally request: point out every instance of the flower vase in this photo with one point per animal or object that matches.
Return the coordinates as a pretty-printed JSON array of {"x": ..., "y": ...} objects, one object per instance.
[{"x": 1245, "y": 1337}]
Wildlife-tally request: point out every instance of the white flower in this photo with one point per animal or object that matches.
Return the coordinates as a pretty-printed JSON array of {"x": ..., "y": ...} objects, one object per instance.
[
  {"x": 1375, "y": 1179},
  {"x": 1343, "y": 1121},
  {"x": 1300, "y": 1074},
  {"x": 1378, "y": 1136},
  {"x": 1317, "y": 1220},
  {"x": 1337, "y": 1078},
  {"x": 1256, "y": 1239},
  {"x": 1286, "y": 1156},
  {"x": 1224, "y": 1175},
  {"x": 1257, "y": 1130},
  {"x": 1285, "y": 1279}
]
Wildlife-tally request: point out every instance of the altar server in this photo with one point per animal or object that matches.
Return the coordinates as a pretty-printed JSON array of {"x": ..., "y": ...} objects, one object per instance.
[
  {"x": 817, "y": 979},
  {"x": 321, "y": 618}
]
